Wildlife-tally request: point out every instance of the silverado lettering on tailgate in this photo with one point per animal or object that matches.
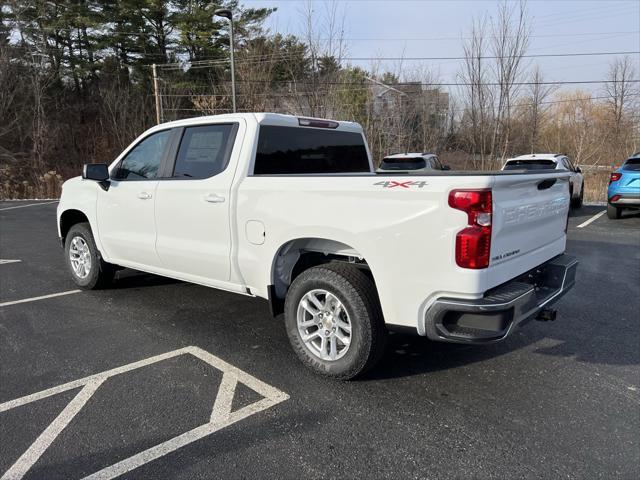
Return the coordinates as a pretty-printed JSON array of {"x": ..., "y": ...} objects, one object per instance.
[{"x": 538, "y": 210}]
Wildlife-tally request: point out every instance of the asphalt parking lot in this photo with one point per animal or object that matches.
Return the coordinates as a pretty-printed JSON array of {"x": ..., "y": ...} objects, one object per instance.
[{"x": 156, "y": 378}]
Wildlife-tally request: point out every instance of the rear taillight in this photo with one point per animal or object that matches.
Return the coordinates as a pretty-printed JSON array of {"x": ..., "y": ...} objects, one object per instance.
[
  {"x": 473, "y": 244},
  {"x": 615, "y": 177}
]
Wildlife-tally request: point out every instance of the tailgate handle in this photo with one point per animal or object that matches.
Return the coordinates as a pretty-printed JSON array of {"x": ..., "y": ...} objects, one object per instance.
[{"x": 543, "y": 185}]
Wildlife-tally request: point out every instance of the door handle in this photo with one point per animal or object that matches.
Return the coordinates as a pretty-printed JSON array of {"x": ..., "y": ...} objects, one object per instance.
[
  {"x": 144, "y": 196},
  {"x": 213, "y": 198}
]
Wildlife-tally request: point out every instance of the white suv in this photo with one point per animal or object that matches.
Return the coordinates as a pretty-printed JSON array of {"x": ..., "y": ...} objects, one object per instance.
[
  {"x": 415, "y": 162},
  {"x": 553, "y": 161}
]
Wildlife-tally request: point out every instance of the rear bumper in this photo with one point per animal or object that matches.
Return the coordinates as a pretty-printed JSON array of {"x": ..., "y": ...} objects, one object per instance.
[
  {"x": 494, "y": 316},
  {"x": 625, "y": 199}
]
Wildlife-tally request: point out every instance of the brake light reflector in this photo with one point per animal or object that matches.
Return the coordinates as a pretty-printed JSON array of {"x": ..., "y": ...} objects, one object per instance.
[
  {"x": 615, "y": 176},
  {"x": 615, "y": 198},
  {"x": 473, "y": 244}
]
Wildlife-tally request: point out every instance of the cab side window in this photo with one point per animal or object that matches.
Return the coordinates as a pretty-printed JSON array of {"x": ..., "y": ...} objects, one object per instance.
[
  {"x": 143, "y": 161},
  {"x": 204, "y": 151}
]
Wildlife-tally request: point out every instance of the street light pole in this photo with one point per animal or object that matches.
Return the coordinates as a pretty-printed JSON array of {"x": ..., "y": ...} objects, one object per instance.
[{"x": 226, "y": 13}]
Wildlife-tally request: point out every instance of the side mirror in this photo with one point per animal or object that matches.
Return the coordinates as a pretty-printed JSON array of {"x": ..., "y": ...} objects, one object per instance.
[
  {"x": 446, "y": 167},
  {"x": 578, "y": 170},
  {"x": 98, "y": 172}
]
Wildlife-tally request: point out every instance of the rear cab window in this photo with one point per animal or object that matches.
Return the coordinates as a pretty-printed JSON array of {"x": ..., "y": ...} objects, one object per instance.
[{"x": 299, "y": 150}]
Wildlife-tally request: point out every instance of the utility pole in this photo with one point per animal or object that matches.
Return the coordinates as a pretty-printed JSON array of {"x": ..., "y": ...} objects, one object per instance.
[
  {"x": 156, "y": 94},
  {"x": 233, "y": 68},
  {"x": 226, "y": 13}
]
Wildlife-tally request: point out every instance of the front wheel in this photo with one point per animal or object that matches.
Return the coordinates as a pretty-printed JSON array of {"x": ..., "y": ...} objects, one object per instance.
[
  {"x": 84, "y": 261},
  {"x": 334, "y": 321},
  {"x": 614, "y": 213}
]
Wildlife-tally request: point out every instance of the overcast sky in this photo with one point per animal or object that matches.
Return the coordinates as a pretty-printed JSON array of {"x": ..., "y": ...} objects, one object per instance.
[{"x": 433, "y": 28}]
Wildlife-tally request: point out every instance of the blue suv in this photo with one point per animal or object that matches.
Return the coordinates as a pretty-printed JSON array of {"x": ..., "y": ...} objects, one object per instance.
[{"x": 624, "y": 187}]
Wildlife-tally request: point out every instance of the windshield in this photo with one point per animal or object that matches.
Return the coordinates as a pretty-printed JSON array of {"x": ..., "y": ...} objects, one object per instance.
[
  {"x": 529, "y": 164},
  {"x": 632, "y": 164}
]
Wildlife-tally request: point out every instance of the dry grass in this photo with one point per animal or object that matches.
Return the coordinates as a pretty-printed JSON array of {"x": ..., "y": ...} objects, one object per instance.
[
  {"x": 595, "y": 185},
  {"x": 47, "y": 185}
]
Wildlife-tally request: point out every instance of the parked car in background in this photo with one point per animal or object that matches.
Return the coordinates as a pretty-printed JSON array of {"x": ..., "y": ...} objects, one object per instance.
[
  {"x": 624, "y": 187},
  {"x": 557, "y": 161},
  {"x": 414, "y": 162}
]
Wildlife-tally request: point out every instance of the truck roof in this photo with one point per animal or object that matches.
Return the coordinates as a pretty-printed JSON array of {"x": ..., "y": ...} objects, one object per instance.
[{"x": 263, "y": 118}]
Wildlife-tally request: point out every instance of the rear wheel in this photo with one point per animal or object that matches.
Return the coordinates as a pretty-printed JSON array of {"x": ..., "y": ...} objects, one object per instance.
[
  {"x": 613, "y": 213},
  {"x": 83, "y": 259},
  {"x": 577, "y": 202},
  {"x": 334, "y": 321}
]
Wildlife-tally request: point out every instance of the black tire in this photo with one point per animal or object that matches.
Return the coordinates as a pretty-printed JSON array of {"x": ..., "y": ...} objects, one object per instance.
[
  {"x": 100, "y": 273},
  {"x": 614, "y": 213},
  {"x": 577, "y": 202},
  {"x": 357, "y": 292}
]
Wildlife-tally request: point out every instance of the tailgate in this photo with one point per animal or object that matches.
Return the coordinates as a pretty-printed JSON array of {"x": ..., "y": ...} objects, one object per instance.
[{"x": 529, "y": 221}]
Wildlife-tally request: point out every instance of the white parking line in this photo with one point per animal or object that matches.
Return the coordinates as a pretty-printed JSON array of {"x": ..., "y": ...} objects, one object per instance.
[
  {"x": 42, "y": 297},
  {"x": 221, "y": 415},
  {"x": 30, "y": 205},
  {"x": 46, "y": 438},
  {"x": 4, "y": 261},
  {"x": 592, "y": 219}
]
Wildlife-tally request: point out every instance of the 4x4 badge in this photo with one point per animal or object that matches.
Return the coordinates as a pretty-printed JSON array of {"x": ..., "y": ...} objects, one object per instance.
[{"x": 407, "y": 184}]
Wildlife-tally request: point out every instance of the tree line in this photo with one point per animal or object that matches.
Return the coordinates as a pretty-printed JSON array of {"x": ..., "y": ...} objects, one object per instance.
[{"x": 76, "y": 86}]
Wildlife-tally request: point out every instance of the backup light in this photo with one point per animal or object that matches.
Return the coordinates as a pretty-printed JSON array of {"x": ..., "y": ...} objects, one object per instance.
[{"x": 615, "y": 176}]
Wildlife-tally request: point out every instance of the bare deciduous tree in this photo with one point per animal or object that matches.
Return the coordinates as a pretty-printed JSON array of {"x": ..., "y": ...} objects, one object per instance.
[
  {"x": 620, "y": 90},
  {"x": 538, "y": 93},
  {"x": 509, "y": 44},
  {"x": 475, "y": 77},
  {"x": 492, "y": 84}
]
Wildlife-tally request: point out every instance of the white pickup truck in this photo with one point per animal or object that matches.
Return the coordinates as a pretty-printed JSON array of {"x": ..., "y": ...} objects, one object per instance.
[{"x": 290, "y": 209}]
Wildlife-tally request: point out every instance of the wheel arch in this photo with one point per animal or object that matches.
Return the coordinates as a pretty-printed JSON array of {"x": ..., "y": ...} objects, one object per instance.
[
  {"x": 299, "y": 254},
  {"x": 68, "y": 219}
]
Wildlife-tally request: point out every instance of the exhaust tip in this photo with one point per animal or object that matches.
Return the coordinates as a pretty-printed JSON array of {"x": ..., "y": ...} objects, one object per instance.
[{"x": 546, "y": 315}]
